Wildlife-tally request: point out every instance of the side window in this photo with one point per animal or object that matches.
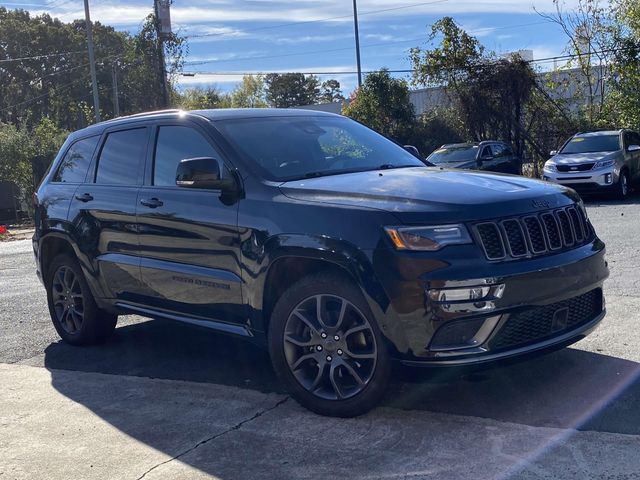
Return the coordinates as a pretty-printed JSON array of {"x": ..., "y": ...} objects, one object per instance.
[
  {"x": 508, "y": 152},
  {"x": 627, "y": 140},
  {"x": 635, "y": 138},
  {"x": 486, "y": 151},
  {"x": 74, "y": 165},
  {"x": 498, "y": 150},
  {"x": 176, "y": 143},
  {"x": 122, "y": 154}
]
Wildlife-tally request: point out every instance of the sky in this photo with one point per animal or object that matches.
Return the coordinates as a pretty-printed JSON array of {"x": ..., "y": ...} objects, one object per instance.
[{"x": 250, "y": 36}]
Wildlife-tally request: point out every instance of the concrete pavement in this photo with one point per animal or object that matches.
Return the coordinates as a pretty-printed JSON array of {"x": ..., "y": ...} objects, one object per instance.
[{"x": 62, "y": 424}]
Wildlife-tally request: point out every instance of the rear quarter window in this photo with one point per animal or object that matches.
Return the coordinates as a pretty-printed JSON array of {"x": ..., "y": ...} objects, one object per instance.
[{"x": 75, "y": 163}]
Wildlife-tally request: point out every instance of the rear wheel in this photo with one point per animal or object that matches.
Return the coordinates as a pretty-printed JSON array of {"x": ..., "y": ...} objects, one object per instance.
[
  {"x": 326, "y": 347},
  {"x": 73, "y": 310}
]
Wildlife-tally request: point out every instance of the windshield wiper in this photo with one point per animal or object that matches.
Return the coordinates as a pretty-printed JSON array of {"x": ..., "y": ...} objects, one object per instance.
[
  {"x": 389, "y": 166},
  {"x": 326, "y": 173}
]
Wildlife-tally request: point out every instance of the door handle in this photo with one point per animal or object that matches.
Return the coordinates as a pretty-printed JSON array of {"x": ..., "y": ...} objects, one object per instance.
[
  {"x": 151, "y": 203},
  {"x": 85, "y": 197}
]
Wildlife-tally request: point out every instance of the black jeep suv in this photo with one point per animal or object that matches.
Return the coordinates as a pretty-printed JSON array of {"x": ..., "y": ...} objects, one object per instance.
[{"x": 315, "y": 236}]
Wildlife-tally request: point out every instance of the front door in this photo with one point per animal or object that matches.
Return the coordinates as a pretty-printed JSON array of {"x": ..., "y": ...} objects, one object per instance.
[{"x": 189, "y": 245}]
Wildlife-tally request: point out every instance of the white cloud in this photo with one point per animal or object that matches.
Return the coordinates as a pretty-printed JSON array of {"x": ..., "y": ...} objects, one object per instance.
[{"x": 124, "y": 13}]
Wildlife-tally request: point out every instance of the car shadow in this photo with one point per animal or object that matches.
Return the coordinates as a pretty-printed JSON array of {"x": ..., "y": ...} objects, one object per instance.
[{"x": 569, "y": 388}]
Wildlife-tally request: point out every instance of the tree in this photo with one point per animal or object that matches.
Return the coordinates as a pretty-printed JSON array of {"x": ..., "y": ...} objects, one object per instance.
[
  {"x": 198, "y": 98},
  {"x": 383, "y": 104},
  {"x": 623, "y": 100},
  {"x": 54, "y": 80},
  {"x": 592, "y": 31},
  {"x": 491, "y": 94},
  {"x": 25, "y": 156},
  {"x": 330, "y": 91},
  {"x": 250, "y": 93},
  {"x": 284, "y": 90}
]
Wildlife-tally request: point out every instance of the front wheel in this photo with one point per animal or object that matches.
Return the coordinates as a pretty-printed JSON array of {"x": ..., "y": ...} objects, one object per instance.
[
  {"x": 622, "y": 187},
  {"x": 326, "y": 347}
]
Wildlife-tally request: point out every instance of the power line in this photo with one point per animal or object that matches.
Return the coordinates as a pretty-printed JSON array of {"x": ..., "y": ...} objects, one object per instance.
[
  {"x": 328, "y": 19},
  {"x": 65, "y": 70},
  {"x": 411, "y": 70},
  {"x": 36, "y": 57},
  {"x": 39, "y": 97}
]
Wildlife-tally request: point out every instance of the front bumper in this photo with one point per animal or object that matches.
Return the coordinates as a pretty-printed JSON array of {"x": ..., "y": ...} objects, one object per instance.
[
  {"x": 591, "y": 181},
  {"x": 537, "y": 290}
]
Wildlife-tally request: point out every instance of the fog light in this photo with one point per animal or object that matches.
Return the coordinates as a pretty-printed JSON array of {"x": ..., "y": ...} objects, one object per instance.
[
  {"x": 608, "y": 179},
  {"x": 461, "y": 334},
  {"x": 467, "y": 294}
]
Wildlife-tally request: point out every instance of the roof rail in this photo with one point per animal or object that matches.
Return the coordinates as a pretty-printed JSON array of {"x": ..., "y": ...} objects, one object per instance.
[{"x": 144, "y": 114}]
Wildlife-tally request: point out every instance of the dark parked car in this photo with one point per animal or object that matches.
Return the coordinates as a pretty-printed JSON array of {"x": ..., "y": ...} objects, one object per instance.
[
  {"x": 309, "y": 233},
  {"x": 491, "y": 156}
]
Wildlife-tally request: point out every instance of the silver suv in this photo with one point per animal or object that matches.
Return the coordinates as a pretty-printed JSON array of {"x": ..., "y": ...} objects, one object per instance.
[{"x": 594, "y": 162}]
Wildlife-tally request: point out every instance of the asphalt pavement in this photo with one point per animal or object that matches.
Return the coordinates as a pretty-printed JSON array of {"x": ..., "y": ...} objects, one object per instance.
[{"x": 165, "y": 400}]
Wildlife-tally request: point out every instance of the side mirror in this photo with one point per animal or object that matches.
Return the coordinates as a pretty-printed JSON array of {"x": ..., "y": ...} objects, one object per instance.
[
  {"x": 413, "y": 150},
  {"x": 553, "y": 153},
  {"x": 202, "y": 172},
  {"x": 486, "y": 158},
  {"x": 633, "y": 148}
]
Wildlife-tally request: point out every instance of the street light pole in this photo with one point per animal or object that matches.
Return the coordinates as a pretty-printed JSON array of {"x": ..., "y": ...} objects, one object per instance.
[
  {"x": 92, "y": 62},
  {"x": 355, "y": 24}
]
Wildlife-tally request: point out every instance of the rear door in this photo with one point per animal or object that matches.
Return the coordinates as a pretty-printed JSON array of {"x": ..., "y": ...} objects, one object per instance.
[
  {"x": 189, "y": 242},
  {"x": 103, "y": 212}
]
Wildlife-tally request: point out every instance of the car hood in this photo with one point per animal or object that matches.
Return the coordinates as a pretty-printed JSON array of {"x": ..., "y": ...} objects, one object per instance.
[
  {"x": 430, "y": 194},
  {"x": 575, "y": 158}
]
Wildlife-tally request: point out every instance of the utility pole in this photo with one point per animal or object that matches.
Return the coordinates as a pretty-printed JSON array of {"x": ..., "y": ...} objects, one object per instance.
[
  {"x": 92, "y": 62},
  {"x": 161, "y": 13},
  {"x": 114, "y": 78},
  {"x": 355, "y": 24}
]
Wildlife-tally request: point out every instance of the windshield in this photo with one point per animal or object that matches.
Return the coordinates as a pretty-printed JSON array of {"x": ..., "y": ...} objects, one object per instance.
[
  {"x": 288, "y": 148},
  {"x": 596, "y": 143},
  {"x": 466, "y": 153}
]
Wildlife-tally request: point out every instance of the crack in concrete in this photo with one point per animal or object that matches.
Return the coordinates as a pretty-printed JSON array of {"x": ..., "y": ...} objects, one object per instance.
[{"x": 235, "y": 427}]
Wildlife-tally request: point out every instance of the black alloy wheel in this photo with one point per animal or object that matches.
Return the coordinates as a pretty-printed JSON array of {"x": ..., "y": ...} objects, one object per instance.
[
  {"x": 327, "y": 348},
  {"x": 73, "y": 309},
  {"x": 330, "y": 347},
  {"x": 68, "y": 300}
]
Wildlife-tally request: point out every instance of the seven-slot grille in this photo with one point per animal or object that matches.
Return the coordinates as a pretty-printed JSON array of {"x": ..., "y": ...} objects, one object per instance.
[{"x": 535, "y": 234}]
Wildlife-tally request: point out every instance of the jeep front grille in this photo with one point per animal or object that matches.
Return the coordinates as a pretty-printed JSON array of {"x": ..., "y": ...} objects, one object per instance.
[{"x": 534, "y": 235}]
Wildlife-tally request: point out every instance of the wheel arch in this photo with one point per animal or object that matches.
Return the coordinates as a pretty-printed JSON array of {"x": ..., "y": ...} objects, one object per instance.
[{"x": 293, "y": 258}]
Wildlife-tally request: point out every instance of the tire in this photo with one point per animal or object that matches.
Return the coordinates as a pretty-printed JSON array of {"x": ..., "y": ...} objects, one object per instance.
[
  {"x": 339, "y": 366},
  {"x": 621, "y": 189},
  {"x": 73, "y": 310}
]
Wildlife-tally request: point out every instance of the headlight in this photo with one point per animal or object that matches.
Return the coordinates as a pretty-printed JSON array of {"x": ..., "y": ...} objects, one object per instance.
[
  {"x": 428, "y": 238},
  {"x": 550, "y": 166},
  {"x": 603, "y": 164}
]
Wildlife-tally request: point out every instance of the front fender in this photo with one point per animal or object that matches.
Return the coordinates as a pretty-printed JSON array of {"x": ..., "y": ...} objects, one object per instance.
[{"x": 258, "y": 259}]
